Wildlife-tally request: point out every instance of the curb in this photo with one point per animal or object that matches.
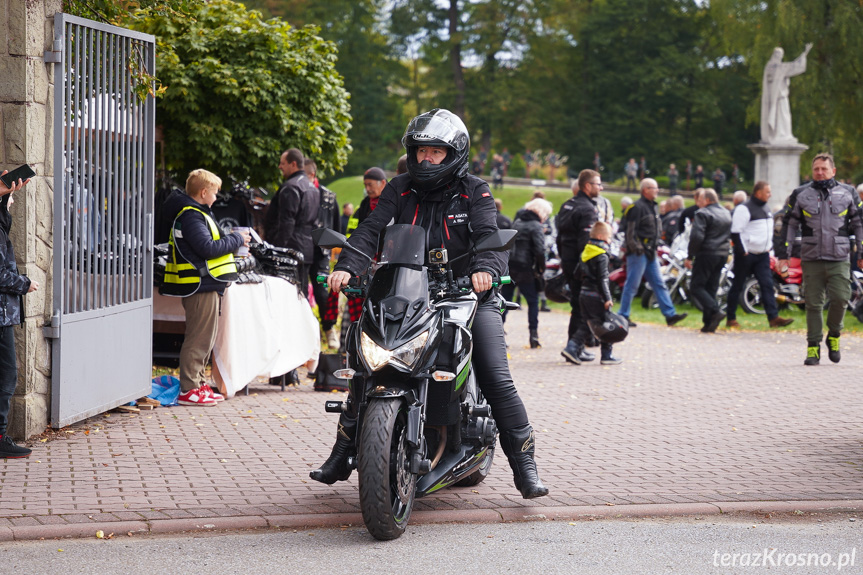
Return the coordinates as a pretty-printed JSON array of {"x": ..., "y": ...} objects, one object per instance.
[{"x": 503, "y": 515}]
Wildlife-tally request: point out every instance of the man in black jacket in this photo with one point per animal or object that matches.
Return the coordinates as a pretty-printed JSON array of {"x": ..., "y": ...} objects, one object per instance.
[
  {"x": 709, "y": 241},
  {"x": 293, "y": 212},
  {"x": 574, "y": 220},
  {"x": 328, "y": 217},
  {"x": 643, "y": 227},
  {"x": 13, "y": 286}
]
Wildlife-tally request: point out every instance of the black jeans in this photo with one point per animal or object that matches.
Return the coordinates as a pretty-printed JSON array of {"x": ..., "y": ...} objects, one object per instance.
[
  {"x": 321, "y": 295},
  {"x": 526, "y": 282},
  {"x": 578, "y": 329},
  {"x": 492, "y": 368},
  {"x": 706, "y": 272},
  {"x": 8, "y": 374},
  {"x": 759, "y": 266}
]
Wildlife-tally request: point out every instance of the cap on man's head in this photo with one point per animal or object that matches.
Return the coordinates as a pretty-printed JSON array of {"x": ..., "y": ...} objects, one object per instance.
[{"x": 376, "y": 174}]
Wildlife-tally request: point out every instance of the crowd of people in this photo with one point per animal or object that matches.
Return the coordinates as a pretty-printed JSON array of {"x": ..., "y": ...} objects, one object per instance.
[{"x": 829, "y": 219}]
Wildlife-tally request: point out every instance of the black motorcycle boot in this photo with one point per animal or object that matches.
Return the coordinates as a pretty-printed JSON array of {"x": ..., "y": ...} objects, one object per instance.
[
  {"x": 572, "y": 352},
  {"x": 518, "y": 445},
  {"x": 534, "y": 339},
  {"x": 335, "y": 468}
]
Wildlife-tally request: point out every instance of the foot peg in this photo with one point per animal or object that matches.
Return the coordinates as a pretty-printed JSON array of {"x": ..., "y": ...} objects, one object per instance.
[{"x": 334, "y": 406}]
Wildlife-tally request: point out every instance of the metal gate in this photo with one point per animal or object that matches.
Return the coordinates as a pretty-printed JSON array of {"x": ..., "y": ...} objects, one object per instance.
[{"x": 103, "y": 204}]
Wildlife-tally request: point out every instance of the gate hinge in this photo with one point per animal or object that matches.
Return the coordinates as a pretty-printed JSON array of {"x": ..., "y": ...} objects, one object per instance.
[
  {"x": 55, "y": 55},
  {"x": 52, "y": 331}
]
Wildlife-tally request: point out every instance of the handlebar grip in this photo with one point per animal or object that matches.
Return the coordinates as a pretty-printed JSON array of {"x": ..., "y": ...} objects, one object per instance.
[
  {"x": 502, "y": 281},
  {"x": 322, "y": 279},
  {"x": 352, "y": 291}
]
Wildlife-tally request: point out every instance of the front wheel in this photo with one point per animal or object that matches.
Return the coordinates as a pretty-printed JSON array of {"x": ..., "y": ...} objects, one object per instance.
[
  {"x": 387, "y": 486},
  {"x": 751, "y": 298}
]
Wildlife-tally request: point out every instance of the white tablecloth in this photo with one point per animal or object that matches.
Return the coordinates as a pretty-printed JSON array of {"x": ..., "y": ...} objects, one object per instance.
[{"x": 264, "y": 330}]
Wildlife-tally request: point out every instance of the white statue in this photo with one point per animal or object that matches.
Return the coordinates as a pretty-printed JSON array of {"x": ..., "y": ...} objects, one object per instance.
[{"x": 775, "y": 110}]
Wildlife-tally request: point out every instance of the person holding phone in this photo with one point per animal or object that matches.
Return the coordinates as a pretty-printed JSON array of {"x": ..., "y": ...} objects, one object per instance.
[{"x": 13, "y": 286}]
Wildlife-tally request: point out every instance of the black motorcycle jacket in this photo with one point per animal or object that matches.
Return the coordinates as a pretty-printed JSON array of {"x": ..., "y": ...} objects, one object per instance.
[
  {"x": 711, "y": 231},
  {"x": 13, "y": 286},
  {"x": 643, "y": 227},
  {"x": 529, "y": 250},
  {"x": 293, "y": 214},
  {"x": 454, "y": 217},
  {"x": 594, "y": 269},
  {"x": 574, "y": 220}
]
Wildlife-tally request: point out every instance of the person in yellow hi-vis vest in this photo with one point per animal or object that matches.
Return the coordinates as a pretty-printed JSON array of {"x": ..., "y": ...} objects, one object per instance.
[{"x": 200, "y": 267}]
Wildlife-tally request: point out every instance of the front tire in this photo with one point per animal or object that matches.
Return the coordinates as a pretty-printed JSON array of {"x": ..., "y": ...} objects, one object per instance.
[
  {"x": 387, "y": 487},
  {"x": 750, "y": 300}
]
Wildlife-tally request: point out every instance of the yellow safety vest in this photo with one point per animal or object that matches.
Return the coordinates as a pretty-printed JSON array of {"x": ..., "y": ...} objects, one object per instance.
[
  {"x": 353, "y": 222},
  {"x": 181, "y": 277}
]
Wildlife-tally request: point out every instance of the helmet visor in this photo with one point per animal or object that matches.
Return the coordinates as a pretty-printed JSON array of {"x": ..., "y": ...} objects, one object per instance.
[{"x": 435, "y": 130}]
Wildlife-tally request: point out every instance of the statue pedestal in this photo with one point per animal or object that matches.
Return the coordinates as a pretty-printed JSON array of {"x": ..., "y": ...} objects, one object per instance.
[{"x": 779, "y": 166}]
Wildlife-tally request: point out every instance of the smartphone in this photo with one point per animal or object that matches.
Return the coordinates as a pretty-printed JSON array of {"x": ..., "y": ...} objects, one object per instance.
[{"x": 20, "y": 173}]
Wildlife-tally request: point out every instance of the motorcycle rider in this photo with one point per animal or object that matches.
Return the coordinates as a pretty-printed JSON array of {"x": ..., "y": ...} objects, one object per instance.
[
  {"x": 456, "y": 209},
  {"x": 828, "y": 213}
]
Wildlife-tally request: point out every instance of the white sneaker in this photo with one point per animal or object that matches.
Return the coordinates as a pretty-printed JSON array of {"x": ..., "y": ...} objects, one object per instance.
[
  {"x": 198, "y": 397},
  {"x": 215, "y": 395}
]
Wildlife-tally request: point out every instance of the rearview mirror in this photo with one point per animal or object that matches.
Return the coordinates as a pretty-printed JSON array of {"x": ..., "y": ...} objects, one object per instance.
[
  {"x": 327, "y": 238},
  {"x": 499, "y": 241}
]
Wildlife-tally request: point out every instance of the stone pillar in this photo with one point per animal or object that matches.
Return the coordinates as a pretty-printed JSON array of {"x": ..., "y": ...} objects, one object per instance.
[
  {"x": 779, "y": 166},
  {"x": 26, "y": 123}
]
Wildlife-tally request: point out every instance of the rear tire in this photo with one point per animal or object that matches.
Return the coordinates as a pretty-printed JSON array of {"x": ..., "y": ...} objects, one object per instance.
[{"x": 387, "y": 487}]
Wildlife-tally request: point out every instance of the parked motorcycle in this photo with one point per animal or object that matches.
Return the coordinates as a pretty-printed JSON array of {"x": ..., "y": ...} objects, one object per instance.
[
  {"x": 787, "y": 283},
  {"x": 788, "y": 286},
  {"x": 422, "y": 421}
]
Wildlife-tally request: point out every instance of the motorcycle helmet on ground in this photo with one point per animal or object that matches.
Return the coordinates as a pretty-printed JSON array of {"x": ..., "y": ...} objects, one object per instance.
[
  {"x": 441, "y": 128},
  {"x": 613, "y": 329}
]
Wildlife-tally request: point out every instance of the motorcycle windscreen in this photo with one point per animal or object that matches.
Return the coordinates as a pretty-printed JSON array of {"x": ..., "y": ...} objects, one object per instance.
[{"x": 405, "y": 245}]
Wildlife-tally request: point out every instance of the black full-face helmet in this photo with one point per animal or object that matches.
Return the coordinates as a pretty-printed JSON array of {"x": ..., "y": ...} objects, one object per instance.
[{"x": 437, "y": 127}]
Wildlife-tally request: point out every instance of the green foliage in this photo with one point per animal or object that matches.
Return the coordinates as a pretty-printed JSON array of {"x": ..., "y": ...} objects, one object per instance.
[
  {"x": 826, "y": 101},
  {"x": 121, "y": 12},
  {"x": 240, "y": 90},
  {"x": 517, "y": 167}
]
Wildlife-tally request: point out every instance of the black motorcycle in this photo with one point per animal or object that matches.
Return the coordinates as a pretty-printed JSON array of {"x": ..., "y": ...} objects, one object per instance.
[{"x": 422, "y": 422}]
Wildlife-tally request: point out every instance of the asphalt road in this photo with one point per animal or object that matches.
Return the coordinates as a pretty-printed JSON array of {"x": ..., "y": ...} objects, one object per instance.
[{"x": 692, "y": 546}]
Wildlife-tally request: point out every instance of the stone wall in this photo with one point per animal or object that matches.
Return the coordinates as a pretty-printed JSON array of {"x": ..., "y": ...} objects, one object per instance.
[{"x": 26, "y": 113}]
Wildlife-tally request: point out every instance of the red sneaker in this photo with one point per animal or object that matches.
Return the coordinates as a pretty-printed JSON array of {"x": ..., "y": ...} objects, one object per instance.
[
  {"x": 215, "y": 395},
  {"x": 198, "y": 397}
]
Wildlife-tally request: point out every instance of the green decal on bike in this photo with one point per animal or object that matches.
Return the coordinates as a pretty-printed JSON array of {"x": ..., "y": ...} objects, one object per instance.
[{"x": 462, "y": 376}]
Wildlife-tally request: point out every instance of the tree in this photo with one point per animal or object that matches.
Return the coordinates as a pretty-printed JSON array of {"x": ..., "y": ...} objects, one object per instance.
[
  {"x": 240, "y": 90},
  {"x": 826, "y": 101},
  {"x": 369, "y": 66}
]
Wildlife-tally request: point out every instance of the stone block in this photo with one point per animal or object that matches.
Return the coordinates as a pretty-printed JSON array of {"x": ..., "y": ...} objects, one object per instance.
[
  {"x": 13, "y": 70},
  {"x": 14, "y": 135},
  {"x": 26, "y": 28},
  {"x": 28, "y": 416},
  {"x": 4, "y": 30},
  {"x": 37, "y": 72},
  {"x": 35, "y": 140}
]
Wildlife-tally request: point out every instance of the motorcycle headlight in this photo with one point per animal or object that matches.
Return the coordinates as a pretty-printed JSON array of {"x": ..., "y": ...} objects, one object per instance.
[{"x": 405, "y": 355}]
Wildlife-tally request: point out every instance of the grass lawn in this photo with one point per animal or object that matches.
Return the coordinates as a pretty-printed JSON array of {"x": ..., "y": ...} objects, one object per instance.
[
  {"x": 748, "y": 322},
  {"x": 513, "y": 197}
]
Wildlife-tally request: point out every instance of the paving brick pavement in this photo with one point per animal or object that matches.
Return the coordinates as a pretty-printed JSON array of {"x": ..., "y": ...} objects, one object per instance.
[{"x": 689, "y": 422}]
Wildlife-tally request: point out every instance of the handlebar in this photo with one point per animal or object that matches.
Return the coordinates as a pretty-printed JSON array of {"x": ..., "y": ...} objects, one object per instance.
[{"x": 462, "y": 284}]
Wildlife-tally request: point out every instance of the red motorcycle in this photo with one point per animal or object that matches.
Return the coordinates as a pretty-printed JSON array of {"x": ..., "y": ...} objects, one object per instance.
[
  {"x": 787, "y": 283},
  {"x": 617, "y": 277}
]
